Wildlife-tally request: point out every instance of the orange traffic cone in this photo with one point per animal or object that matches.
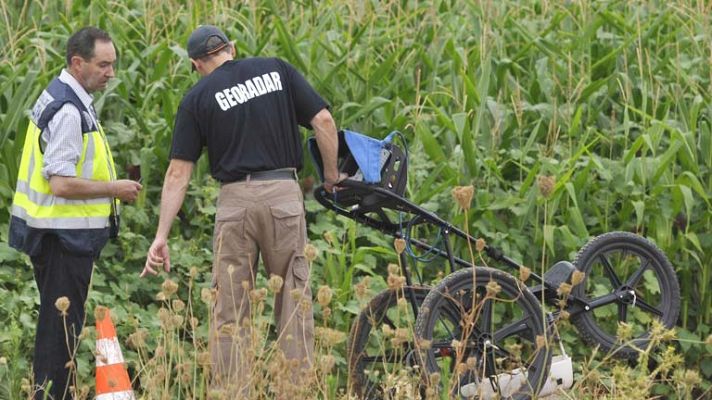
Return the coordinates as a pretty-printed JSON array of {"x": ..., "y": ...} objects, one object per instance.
[{"x": 112, "y": 379}]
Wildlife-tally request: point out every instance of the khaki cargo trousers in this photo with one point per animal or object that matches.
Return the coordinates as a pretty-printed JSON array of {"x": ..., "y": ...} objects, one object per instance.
[{"x": 259, "y": 218}]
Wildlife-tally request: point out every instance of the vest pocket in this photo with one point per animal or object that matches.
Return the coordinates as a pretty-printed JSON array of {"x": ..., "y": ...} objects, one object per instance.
[{"x": 287, "y": 218}]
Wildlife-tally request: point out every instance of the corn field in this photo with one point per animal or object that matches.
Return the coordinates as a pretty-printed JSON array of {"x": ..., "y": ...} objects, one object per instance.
[{"x": 610, "y": 99}]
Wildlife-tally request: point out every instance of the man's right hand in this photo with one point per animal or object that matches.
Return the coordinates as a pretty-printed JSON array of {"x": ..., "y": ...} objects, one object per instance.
[
  {"x": 125, "y": 189},
  {"x": 157, "y": 256}
]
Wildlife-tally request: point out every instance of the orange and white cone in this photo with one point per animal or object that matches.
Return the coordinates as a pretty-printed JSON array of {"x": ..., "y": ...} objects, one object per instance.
[{"x": 112, "y": 379}]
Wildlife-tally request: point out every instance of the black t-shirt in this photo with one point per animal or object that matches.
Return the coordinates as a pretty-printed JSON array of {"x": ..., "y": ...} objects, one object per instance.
[{"x": 246, "y": 113}]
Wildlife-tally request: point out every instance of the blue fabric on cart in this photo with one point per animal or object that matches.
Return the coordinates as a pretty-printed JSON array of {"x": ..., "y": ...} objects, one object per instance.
[{"x": 367, "y": 153}]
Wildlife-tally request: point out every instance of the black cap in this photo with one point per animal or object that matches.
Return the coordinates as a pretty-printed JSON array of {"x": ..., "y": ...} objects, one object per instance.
[{"x": 206, "y": 40}]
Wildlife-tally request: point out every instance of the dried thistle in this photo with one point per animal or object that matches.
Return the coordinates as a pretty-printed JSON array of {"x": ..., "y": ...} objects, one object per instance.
[
  {"x": 193, "y": 272},
  {"x": 165, "y": 317},
  {"x": 564, "y": 289},
  {"x": 137, "y": 339},
  {"x": 62, "y": 304},
  {"x": 524, "y": 273},
  {"x": 708, "y": 341},
  {"x": 275, "y": 283},
  {"x": 100, "y": 313},
  {"x": 515, "y": 349},
  {"x": 203, "y": 359},
  {"x": 25, "y": 385},
  {"x": 176, "y": 321},
  {"x": 480, "y": 245},
  {"x": 208, "y": 295},
  {"x": 423, "y": 344},
  {"x": 83, "y": 392},
  {"x": 310, "y": 252},
  {"x": 461, "y": 368},
  {"x": 361, "y": 288},
  {"x": 402, "y": 304},
  {"x": 395, "y": 282},
  {"x": 493, "y": 288},
  {"x": 296, "y": 294},
  {"x": 434, "y": 378},
  {"x": 540, "y": 342},
  {"x": 463, "y": 196},
  {"x": 399, "y": 245},
  {"x": 577, "y": 277},
  {"x": 178, "y": 305},
  {"x": 401, "y": 337},
  {"x": 327, "y": 363},
  {"x": 324, "y": 295},
  {"x": 169, "y": 287},
  {"x": 393, "y": 269},
  {"x": 258, "y": 295},
  {"x": 329, "y": 337},
  {"x": 305, "y": 305},
  {"x": 471, "y": 363},
  {"x": 546, "y": 185}
]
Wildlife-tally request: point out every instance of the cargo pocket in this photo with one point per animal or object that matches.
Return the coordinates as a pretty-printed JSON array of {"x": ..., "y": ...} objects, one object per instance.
[
  {"x": 300, "y": 269},
  {"x": 300, "y": 272},
  {"x": 229, "y": 232},
  {"x": 288, "y": 219}
]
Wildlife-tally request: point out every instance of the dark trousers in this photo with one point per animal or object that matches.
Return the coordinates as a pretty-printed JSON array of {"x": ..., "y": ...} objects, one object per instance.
[{"x": 58, "y": 273}]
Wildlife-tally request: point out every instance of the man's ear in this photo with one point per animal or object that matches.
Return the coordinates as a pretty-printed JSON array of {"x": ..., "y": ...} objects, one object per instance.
[
  {"x": 232, "y": 50},
  {"x": 75, "y": 62}
]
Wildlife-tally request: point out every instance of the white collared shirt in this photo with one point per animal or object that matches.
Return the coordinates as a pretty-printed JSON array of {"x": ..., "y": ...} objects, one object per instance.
[{"x": 62, "y": 138}]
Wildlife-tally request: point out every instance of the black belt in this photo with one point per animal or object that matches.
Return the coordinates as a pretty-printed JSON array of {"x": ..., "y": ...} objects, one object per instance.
[{"x": 273, "y": 175}]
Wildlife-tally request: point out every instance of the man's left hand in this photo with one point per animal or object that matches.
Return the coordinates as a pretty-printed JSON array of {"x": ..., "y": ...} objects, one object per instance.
[{"x": 331, "y": 187}]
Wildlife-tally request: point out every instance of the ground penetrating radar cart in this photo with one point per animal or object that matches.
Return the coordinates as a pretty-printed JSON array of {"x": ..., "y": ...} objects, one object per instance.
[{"x": 480, "y": 332}]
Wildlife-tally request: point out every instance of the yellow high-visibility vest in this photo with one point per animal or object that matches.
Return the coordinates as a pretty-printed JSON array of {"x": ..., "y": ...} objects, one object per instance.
[{"x": 34, "y": 203}]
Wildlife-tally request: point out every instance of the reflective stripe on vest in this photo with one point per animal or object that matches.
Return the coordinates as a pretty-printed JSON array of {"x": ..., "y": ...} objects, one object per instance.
[{"x": 34, "y": 201}]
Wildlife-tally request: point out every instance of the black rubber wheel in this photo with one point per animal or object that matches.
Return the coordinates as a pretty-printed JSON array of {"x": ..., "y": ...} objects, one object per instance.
[
  {"x": 500, "y": 334},
  {"x": 372, "y": 355},
  {"x": 629, "y": 280}
]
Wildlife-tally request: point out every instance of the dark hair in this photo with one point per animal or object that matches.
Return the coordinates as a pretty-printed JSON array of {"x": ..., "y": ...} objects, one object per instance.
[{"x": 82, "y": 43}]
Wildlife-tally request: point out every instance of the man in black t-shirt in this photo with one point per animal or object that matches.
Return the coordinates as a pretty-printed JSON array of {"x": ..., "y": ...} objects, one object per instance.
[{"x": 246, "y": 113}]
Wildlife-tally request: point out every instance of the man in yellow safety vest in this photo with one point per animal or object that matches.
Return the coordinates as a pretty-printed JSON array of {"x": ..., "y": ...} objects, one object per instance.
[{"x": 66, "y": 203}]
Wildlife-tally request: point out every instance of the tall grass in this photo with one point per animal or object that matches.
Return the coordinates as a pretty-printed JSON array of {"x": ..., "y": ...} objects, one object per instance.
[{"x": 610, "y": 98}]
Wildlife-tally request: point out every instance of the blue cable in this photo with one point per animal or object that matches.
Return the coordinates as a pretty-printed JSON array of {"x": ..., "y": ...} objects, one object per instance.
[{"x": 430, "y": 254}]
